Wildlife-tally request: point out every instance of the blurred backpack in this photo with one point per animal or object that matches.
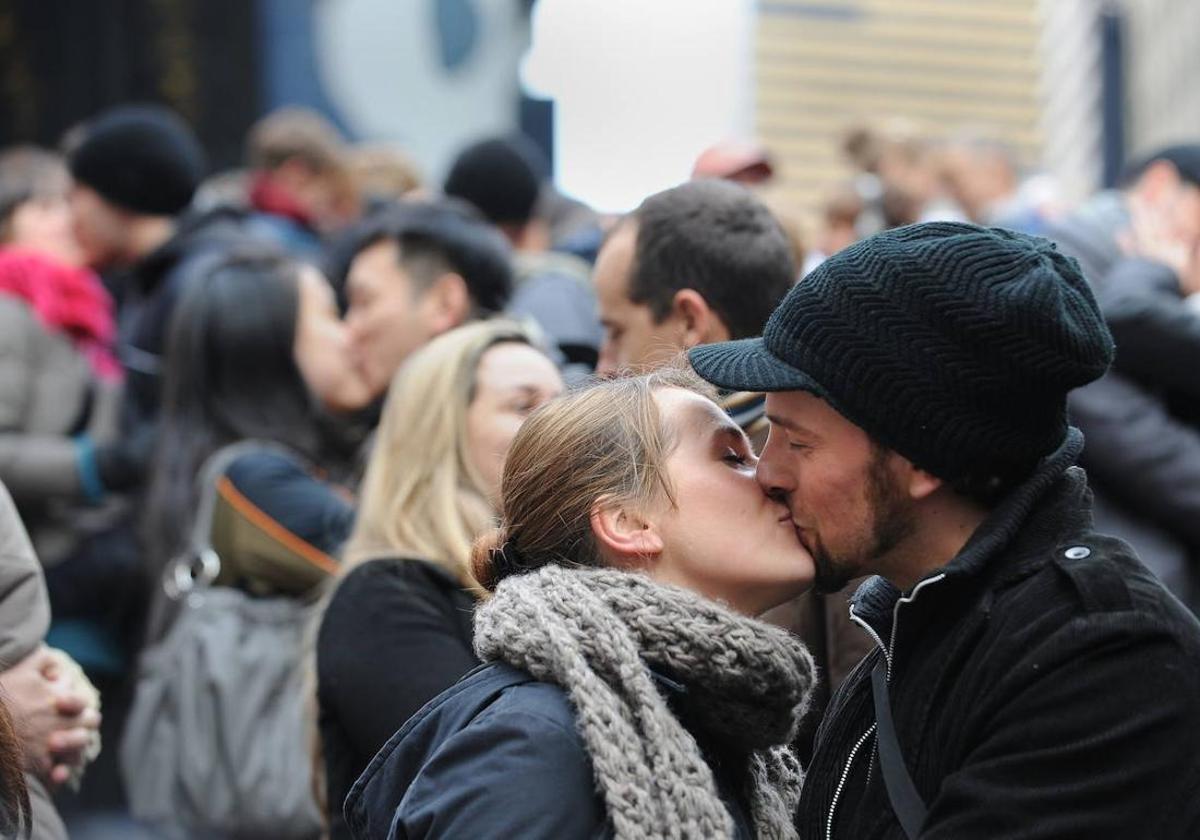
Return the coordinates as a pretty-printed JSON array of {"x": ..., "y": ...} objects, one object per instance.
[{"x": 217, "y": 740}]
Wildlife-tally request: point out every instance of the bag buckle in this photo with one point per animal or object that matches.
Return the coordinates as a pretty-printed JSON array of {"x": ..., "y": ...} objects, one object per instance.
[{"x": 190, "y": 573}]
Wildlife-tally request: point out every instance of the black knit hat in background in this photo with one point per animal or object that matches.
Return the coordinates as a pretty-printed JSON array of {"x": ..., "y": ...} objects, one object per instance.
[
  {"x": 143, "y": 158},
  {"x": 1185, "y": 157},
  {"x": 952, "y": 344},
  {"x": 501, "y": 177},
  {"x": 453, "y": 228}
]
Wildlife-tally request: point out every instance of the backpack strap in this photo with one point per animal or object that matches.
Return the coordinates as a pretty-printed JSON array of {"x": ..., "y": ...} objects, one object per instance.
[
  {"x": 199, "y": 564},
  {"x": 907, "y": 804}
]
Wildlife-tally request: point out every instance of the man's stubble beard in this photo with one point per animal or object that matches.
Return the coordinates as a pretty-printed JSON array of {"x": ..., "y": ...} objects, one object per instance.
[{"x": 890, "y": 522}]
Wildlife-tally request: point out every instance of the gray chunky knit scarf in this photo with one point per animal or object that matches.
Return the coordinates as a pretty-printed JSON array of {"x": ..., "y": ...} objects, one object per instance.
[{"x": 594, "y": 631}]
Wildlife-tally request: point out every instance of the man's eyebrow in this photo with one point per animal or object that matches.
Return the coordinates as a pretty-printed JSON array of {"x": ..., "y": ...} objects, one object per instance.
[{"x": 790, "y": 425}]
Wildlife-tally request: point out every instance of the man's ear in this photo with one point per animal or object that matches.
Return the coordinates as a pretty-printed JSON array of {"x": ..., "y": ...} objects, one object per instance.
[
  {"x": 916, "y": 482},
  {"x": 446, "y": 302},
  {"x": 624, "y": 535},
  {"x": 697, "y": 320}
]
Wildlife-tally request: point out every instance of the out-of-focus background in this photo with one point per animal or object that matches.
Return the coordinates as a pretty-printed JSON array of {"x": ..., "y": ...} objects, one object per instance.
[
  {"x": 623, "y": 96},
  {"x": 371, "y": 178}
]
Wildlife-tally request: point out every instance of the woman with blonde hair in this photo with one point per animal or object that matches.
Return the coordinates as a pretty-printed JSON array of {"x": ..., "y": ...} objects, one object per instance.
[
  {"x": 397, "y": 630},
  {"x": 629, "y": 692}
]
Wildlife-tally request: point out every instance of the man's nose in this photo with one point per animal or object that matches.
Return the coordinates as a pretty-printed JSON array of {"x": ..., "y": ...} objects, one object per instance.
[
  {"x": 606, "y": 365},
  {"x": 775, "y": 481}
]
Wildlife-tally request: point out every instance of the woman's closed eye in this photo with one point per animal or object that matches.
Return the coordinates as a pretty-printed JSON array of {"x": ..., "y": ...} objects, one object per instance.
[
  {"x": 740, "y": 459},
  {"x": 529, "y": 403}
]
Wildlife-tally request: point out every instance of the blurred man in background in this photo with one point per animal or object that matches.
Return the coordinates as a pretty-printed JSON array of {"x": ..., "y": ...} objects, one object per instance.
[
  {"x": 300, "y": 187},
  {"x": 696, "y": 264},
  {"x": 417, "y": 271}
]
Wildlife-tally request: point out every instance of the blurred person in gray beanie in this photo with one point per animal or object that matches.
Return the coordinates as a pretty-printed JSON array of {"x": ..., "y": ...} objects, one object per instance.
[{"x": 1031, "y": 677}]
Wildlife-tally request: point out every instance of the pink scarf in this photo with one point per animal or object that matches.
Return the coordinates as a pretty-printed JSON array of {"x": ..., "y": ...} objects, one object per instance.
[{"x": 67, "y": 300}]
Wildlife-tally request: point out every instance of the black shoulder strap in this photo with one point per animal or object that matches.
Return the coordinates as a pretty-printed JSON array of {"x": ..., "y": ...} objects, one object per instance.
[{"x": 902, "y": 793}]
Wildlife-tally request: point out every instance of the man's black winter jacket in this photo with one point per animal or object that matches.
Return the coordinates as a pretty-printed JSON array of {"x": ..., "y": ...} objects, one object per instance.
[{"x": 1043, "y": 685}]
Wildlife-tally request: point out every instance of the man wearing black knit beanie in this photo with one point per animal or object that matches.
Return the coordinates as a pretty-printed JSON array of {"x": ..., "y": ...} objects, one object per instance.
[
  {"x": 1031, "y": 679},
  {"x": 135, "y": 170}
]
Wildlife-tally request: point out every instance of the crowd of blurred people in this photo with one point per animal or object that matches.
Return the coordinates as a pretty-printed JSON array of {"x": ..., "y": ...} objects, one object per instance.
[{"x": 298, "y": 382}]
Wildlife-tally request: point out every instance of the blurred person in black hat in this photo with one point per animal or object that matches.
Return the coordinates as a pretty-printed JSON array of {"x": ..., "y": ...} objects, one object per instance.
[
  {"x": 415, "y": 271},
  {"x": 1138, "y": 247},
  {"x": 1167, "y": 178},
  {"x": 1030, "y": 676},
  {"x": 504, "y": 177},
  {"x": 135, "y": 170}
]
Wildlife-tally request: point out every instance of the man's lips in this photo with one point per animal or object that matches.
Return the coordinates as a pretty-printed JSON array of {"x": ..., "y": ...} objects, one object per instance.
[{"x": 800, "y": 532}]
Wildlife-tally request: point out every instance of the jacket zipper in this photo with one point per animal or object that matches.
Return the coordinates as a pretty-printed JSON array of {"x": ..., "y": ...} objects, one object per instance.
[
  {"x": 889, "y": 651},
  {"x": 837, "y": 794}
]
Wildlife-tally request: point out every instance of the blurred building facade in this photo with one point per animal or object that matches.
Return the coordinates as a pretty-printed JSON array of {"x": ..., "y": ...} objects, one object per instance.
[
  {"x": 1163, "y": 55},
  {"x": 1074, "y": 87}
]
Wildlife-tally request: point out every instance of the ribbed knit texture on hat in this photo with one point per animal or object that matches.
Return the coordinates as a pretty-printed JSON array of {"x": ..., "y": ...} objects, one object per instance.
[
  {"x": 953, "y": 344},
  {"x": 143, "y": 158}
]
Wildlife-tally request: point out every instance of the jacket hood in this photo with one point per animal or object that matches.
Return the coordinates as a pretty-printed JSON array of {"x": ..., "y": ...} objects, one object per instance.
[{"x": 1014, "y": 520}]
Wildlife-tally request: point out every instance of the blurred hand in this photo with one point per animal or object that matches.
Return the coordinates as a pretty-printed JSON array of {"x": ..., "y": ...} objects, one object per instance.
[
  {"x": 56, "y": 711},
  {"x": 1154, "y": 233}
]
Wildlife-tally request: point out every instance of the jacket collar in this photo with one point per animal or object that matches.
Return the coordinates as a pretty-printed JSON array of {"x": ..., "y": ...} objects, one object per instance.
[{"x": 1054, "y": 500}]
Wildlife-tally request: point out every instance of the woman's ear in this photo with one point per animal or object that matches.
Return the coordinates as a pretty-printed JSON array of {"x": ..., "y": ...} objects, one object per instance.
[{"x": 624, "y": 535}]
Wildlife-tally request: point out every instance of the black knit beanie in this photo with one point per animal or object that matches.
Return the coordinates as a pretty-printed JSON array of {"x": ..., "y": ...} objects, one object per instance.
[
  {"x": 143, "y": 158},
  {"x": 500, "y": 177},
  {"x": 952, "y": 344}
]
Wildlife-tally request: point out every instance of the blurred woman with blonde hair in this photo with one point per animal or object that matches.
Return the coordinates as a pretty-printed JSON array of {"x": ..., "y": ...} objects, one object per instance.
[{"x": 398, "y": 628}]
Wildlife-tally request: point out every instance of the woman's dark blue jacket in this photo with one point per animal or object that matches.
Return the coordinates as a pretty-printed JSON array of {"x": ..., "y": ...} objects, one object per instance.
[{"x": 498, "y": 756}]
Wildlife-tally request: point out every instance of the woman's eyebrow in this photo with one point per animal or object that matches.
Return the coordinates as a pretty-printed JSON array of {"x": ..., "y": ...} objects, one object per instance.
[
  {"x": 723, "y": 428},
  {"x": 523, "y": 388}
]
